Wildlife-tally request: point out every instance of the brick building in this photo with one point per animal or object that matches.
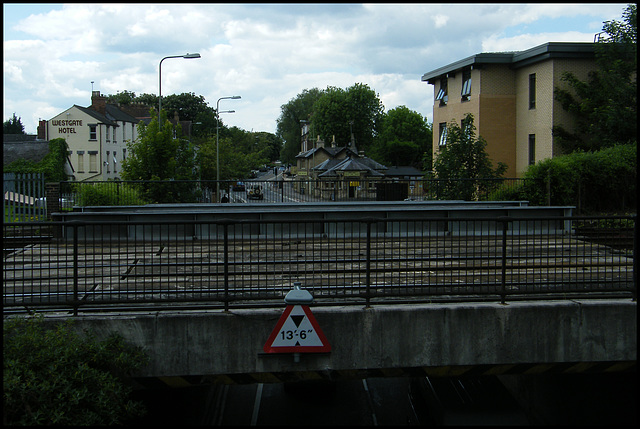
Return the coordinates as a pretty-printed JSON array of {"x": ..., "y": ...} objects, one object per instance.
[{"x": 510, "y": 95}]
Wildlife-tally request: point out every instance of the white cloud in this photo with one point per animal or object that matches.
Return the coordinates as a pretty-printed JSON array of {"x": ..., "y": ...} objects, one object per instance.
[{"x": 268, "y": 54}]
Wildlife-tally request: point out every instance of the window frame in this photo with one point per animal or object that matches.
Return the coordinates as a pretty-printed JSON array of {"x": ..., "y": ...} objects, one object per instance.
[
  {"x": 532, "y": 149},
  {"x": 442, "y": 137},
  {"x": 93, "y": 131},
  {"x": 532, "y": 91},
  {"x": 443, "y": 93},
  {"x": 465, "y": 92}
]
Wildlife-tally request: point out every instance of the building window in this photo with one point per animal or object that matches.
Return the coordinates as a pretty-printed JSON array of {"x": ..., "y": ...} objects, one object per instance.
[
  {"x": 108, "y": 133},
  {"x": 532, "y": 91},
  {"x": 107, "y": 162},
  {"x": 532, "y": 149},
  {"x": 124, "y": 154},
  {"x": 80, "y": 161},
  {"x": 466, "y": 84},
  {"x": 442, "y": 93},
  {"x": 93, "y": 162},
  {"x": 115, "y": 162},
  {"x": 93, "y": 134},
  {"x": 443, "y": 134}
]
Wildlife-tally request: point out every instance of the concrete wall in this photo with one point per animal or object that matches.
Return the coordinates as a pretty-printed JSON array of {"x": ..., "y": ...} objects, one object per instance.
[{"x": 400, "y": 336}]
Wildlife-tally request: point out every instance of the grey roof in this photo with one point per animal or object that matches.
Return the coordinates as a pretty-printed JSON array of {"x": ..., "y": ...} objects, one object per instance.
[
  {"x": 113, "y": 114},
  {"x": 404, "y": 171},
  {"x": 350, "y": 164},
  {"x": 98, "y": 116},
  {"x": 519, "y": 58}
]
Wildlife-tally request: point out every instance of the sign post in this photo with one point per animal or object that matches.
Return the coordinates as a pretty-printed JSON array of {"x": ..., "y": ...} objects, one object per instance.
[{"x": 297, "y": 331}]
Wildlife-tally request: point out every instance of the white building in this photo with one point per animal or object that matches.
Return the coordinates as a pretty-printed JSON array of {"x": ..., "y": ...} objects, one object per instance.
[{"x": 97, "y": 137}]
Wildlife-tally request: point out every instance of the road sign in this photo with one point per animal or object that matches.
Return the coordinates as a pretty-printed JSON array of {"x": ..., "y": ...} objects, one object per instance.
[{"x": 297, "y": 331}]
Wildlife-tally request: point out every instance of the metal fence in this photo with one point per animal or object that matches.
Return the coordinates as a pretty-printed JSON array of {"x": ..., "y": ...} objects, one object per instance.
[
  {"x": 283, "y": 190},
  {"x": 83, "y": 266},
  {"x": 24, "y": 197}
]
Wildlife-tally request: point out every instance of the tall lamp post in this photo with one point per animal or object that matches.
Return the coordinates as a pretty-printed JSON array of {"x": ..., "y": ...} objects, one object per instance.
[
  {"x": 234, "y": 97},
  {"x": 185, "y": 56}
]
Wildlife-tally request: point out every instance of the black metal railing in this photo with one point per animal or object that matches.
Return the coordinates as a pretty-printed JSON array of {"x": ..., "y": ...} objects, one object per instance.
[
  {"x": 85, "y": 266},
  {"x": 283, "y": 189}
]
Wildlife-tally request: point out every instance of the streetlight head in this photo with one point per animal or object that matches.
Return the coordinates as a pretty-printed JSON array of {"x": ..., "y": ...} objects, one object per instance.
[
  {"x": 235, "y": 97},
  {"x": 196, "y": 55}
]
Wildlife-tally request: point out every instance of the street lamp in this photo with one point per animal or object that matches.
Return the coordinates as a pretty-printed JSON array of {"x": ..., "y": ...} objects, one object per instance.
[
  {"x": 185, "y": 56},
  {"x": 234, "y": 97}
]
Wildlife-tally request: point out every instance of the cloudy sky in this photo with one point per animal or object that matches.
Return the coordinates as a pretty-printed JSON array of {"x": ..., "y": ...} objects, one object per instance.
[{"x": 55, "y": 54}]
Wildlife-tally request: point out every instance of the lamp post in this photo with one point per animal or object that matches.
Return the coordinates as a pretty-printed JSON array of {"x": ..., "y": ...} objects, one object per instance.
[
  {"x": 234, "y": 97},
  {"x": 185, "y": 56}
]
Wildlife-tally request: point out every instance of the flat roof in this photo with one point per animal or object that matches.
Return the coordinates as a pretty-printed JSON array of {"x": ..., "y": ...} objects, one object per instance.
[{"x": 519, "y": 58}]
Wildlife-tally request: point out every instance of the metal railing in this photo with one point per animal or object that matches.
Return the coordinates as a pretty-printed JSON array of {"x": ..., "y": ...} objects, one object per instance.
[
  {"x": 84, "y": 266},
  {"x": 282, "y": 189},
  {"x": 24, "y": 197}
]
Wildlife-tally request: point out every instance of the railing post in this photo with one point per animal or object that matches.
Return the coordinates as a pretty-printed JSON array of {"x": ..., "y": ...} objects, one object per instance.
[
  {"x": 634, "y": 292},
  {"x": 368, "y": 264},
  {"x": 75, "y": 270},
  {"x": 503, "y": 293},
  {"x": 226, "y": 266}
]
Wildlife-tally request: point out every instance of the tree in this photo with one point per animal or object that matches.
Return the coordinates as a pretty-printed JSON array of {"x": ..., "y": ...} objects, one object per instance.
[
  {"x": 605, "y": 106},
  {"x": 404, "y": 139},
  {"x": 340, "y": 113},
  {"x": 464, "y": 157},
  {"x": 156, "y": 155},
  {"x": 13, "y": 125},
  {"x": 297, "y": 109},
  {"x": 58, "y": 377}
]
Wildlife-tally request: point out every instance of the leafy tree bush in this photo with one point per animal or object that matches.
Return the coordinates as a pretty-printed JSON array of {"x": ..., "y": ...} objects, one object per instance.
[
  {"x": 602, "y": 181},
  {"x": 56, "y": 376},
  {"x": 605, "y": 106},
  {"x": 107, "y": 194},
  {"x": 463, "y": 160}
]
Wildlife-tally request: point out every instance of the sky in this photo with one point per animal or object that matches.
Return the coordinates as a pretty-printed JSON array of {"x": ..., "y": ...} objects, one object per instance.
[{"x": 56, "y": 54}]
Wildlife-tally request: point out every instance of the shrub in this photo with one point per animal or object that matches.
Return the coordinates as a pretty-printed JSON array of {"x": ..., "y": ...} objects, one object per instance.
[
  {"x": 56, "y": 376},
  {"x": 107, "y": 194}
]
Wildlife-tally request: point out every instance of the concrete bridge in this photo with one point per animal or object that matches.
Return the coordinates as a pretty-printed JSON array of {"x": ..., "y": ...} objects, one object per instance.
[
  {"x": 193, "y": 347},
  {"x": 386, "y": 339}
]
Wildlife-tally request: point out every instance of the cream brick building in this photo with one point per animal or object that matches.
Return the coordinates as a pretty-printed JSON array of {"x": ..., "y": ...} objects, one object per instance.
[{"x": 511, "y": 98}]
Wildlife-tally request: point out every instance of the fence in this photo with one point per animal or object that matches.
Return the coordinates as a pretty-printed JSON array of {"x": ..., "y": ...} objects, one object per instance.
[
  {"x": 282, "y": 189},
  {"x": 24, "y": 197},
  {"x": 241, "y": 264}
]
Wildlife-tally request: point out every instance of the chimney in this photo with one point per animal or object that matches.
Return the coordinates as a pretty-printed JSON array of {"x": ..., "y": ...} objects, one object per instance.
[
  {"x": 42, "y": 130},
  {"x": 98, "y": 102}
]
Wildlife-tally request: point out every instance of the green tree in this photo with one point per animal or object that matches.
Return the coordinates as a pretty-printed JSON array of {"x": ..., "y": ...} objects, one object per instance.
[
  {"x": 58, "y": 377},
  {"x": 52, "y": 164},
  {"x": 156, "y": 155},
  {"x": 339, "y": 112},
  {"x": 605, "y": 106},
  {"x": 288, "y": 128},
  {"x": 124, "y": 97},
  {"x": 464, "y": 158},
  {"x": 404, "y": 139},
  {"x": 13, "y": 125}
]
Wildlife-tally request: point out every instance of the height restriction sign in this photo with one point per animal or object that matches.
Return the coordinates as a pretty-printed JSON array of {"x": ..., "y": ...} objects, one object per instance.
[{"x": 297, "y": 331}]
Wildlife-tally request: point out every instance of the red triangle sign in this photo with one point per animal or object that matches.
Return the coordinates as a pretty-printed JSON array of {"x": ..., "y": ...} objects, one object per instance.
[{"x": 297, "y": 331}]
